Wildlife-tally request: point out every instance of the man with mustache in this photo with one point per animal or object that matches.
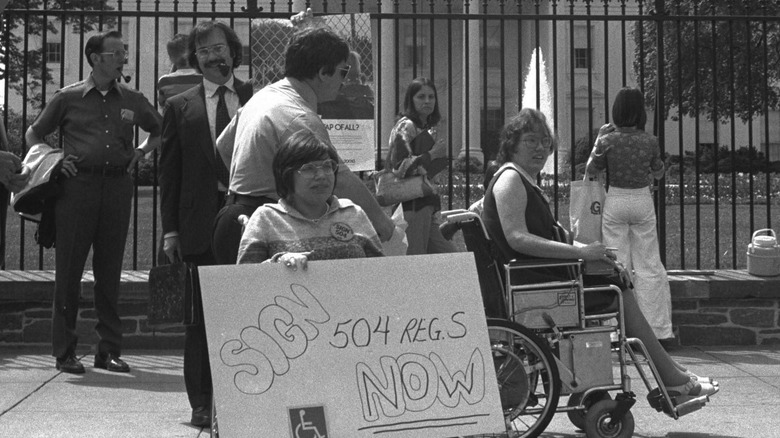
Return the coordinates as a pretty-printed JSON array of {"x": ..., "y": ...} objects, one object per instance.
[
  {"x": 193, "y": 179},
  {"x": 96, "y": 118}
]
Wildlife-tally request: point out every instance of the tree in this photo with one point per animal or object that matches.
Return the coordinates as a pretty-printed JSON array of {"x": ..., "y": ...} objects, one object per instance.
[
  {"x": 716, "y": 46},
  {"x": 17, "y": 27}
]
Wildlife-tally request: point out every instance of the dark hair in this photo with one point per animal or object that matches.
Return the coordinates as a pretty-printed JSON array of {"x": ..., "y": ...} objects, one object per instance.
[
  {"x": 302, "y": 147},
  {"x": 202, "y": 31},
  {"x": 527, "y": 120},
  {"x": 410, "y": 112},
  {"x": 629, "y": 108},
  {"x": 313, "y": 49},
  {"x": 177, "y": 51},
  {"x": 490, "y": 170},
  {"x": 95, "y": 43}
]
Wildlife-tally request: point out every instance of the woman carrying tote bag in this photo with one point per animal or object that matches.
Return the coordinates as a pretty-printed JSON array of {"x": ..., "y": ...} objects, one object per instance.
[
  {"x": 416, "y": 149},
  {"x": 629, "y": 222}
]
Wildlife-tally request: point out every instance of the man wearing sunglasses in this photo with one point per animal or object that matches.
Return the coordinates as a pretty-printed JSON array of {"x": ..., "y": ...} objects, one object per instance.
[
  {"x": 194, "y": 179},
  {"x": 315, "y": 68},
  {"x": 96, "y": 118}
]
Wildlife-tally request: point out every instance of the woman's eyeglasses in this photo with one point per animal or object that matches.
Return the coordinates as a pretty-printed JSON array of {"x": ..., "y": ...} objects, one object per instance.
[
  {"x": 309, "y": 170},
  {"x": 535, "y": 142},
  {"x": 216, "y": 49}
]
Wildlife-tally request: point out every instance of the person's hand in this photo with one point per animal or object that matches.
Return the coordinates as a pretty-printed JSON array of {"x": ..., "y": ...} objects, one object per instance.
[
  {"x": 138, "y": 153},
  {"x": 172, "y": 248},
  {"x": 385, "y": 229},
  {"x": 69, "y": 166},
  {"x": 302, "y": 18},
  {"x": 9, "y": 166},
  {"x": 439, "y": 150},
  {"x": 606, "y": 129},
  {"x": 294, "y": 260},
  {"x": 596, "y": 251},
  {"x": 18, "y": 181}
]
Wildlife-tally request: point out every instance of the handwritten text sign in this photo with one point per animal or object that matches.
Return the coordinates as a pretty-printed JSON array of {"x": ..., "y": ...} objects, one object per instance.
[{"x": 391, "y": 347}]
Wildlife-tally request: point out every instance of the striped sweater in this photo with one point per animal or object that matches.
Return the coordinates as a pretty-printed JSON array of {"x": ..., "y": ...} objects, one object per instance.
[{"x": 343, "y": 232}]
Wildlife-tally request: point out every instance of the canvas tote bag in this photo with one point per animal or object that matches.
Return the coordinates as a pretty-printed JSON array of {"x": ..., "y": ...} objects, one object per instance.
[{"x": 585, "y": 209}]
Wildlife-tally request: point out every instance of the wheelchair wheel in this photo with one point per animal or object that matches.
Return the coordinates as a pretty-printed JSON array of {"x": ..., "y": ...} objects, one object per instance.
[
  {"x": 600, "y": 424},
  {"x": 528, "y": 380},
  {"x": 577, "y": 418}
]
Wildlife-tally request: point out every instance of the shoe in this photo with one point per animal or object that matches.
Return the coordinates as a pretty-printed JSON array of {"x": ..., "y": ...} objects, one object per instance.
[
  {"x": 112, "y": 363},
  {"x": 70, "y": 364},
  {"x": 201, "y": 417},
  {"x": 703, "y": 379},
  {"x": 694, "y": 388}
]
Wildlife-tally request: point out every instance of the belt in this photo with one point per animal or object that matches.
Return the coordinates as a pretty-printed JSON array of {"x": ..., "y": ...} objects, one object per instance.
[
  {"x": 248, "y": 200},
  {"x": 109, "y": 171}
]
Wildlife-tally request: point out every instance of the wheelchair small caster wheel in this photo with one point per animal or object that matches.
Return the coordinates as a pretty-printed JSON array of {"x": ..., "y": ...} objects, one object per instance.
[
  {"x": 600, "y": 423},
  {"x": 577, "y": 418}
]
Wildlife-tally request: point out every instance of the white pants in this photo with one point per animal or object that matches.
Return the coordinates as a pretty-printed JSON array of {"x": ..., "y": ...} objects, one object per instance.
[{"x": 628, "y": 224}]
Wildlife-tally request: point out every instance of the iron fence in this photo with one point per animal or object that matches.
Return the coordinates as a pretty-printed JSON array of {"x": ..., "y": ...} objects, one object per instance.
[{"x": 709, "y": 71}]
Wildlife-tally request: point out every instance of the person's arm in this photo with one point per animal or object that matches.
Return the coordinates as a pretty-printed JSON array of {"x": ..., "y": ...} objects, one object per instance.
[
  {"x": 349, "y": 186},
  {"x": 253, "y": 247},
  {"x": 170, "y": 183},
  {"x": 598, "y": 159},
  {"x": 511, "y": 203},
  {"x": 657, "y": 166}
]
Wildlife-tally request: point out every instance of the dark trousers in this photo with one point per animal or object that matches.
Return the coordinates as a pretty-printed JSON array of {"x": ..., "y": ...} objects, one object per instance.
[
  {"x": 197, "y": 369},
  {"x": 91, "y": 211},
  {"x": 3, "y": 213},
  {"x": 227, "y": 229}
]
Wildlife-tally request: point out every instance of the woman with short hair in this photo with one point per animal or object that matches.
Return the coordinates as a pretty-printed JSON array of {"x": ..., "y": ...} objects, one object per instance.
[{"x": 309, "y": 222}]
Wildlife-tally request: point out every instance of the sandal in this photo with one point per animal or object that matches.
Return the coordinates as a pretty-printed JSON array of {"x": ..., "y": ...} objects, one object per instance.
[
  {"x": 693, "y": 388},
  {"x": 703, "y": 379}
]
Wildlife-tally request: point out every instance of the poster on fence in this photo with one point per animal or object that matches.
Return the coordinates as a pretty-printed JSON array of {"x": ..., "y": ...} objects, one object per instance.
[
  {"x": 350, "y": 117},
  {"x": 396, "y": 347}
]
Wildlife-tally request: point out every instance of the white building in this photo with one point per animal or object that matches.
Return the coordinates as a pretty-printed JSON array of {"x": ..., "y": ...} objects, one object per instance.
[{"x": 583, "y": 64}]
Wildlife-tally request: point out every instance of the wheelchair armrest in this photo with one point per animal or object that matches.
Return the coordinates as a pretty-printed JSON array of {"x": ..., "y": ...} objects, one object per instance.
[{"x": 543, "y": 263}]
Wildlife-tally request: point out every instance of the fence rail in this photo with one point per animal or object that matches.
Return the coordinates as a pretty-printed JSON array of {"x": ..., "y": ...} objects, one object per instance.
[{"x": 709, "y": 71}]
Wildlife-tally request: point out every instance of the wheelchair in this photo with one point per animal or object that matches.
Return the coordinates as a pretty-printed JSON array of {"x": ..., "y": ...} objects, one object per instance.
[{"x": 545, "y": 346}]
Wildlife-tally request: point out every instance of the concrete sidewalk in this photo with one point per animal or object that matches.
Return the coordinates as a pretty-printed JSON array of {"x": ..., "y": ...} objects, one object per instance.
[{"x": 150, "y": 401}]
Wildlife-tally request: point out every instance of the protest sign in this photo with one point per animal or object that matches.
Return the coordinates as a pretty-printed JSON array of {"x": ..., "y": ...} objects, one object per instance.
[{"x": 396, "y": 347}]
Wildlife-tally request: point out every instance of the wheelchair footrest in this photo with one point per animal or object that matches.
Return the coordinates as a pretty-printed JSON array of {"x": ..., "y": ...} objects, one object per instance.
[{"x": 682, "y": 404}]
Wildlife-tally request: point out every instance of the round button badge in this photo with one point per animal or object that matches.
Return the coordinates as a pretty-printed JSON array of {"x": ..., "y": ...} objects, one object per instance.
[{"x": 341, "y": 232}]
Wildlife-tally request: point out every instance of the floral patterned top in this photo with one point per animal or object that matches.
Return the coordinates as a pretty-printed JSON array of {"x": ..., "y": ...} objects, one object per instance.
[{"x": 631, "y": 154}]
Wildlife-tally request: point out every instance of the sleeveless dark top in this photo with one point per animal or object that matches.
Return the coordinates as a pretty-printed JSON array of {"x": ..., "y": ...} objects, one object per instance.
[
  {"x": 541, "y": 222},
  {"x": 538, "y": 219}
]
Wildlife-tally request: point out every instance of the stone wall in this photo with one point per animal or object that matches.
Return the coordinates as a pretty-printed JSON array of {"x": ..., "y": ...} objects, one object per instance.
[
  {"x": 26, "y": 309},
  {"x": 723, "y": 308}
]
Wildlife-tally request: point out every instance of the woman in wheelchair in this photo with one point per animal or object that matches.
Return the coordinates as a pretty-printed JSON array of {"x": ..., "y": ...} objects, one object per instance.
[
  {"x": 309, "y": 222},
  {"x": 518, "y": 219}
]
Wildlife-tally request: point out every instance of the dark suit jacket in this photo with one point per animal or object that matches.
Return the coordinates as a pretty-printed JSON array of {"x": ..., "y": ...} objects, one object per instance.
[{"x": 188, "y": 179}]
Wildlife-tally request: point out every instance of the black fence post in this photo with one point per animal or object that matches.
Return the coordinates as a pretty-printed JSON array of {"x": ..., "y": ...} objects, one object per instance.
[{"x": 660, "y": 16}]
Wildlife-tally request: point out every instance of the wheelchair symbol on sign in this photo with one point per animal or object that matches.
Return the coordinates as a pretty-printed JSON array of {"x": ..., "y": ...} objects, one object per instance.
[{"x": 314, "y": 427}]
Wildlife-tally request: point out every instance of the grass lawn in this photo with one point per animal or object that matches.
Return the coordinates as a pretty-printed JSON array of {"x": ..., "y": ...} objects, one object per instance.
[{"x": 701, "y": 245}]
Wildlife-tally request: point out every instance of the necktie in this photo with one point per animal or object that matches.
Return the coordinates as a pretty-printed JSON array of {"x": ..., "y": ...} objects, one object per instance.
[{"x": 222, "y": 120}]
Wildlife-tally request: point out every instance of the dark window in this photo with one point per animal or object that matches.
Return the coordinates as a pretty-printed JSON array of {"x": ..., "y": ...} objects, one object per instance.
[
  {"x": 581, "y": 58},
  {"x": 53, "y": 52}
]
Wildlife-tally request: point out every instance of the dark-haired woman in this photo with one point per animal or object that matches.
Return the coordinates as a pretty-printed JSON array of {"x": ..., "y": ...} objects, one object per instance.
[
  {"x": 407, "y": 157},
  {"x": 518, "y": 218},
  {"x": 309, "y": 222},
  {"x": 633, "y": 159}
]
